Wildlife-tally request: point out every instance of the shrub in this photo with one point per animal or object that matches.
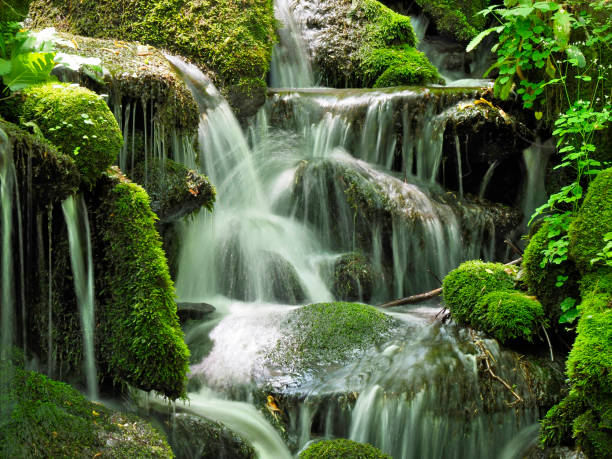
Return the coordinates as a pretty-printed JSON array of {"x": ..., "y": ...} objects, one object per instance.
[
  {"x": 78, "y": 122},
  {"x": 463, "y": 287},
  {"x": 341, "y": 448}
]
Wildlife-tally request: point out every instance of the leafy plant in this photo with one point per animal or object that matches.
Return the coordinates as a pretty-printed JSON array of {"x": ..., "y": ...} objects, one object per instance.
[{"x": 605, "y": 256}]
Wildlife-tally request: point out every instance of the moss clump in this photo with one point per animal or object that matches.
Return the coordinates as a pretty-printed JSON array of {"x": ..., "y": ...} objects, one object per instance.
[
  {"x": 342, "y": 448},
  {"x": 326, "y": 333},
  {"x": 386, "y": 27},
  {"x": 140, "y": 333},
  {"x": 463, "y": 287},
  {"x": 593, "y": 221},
  {"x": 396, "y": 66},
  {"x": 13, "y": 10},
  {"x": 457, "y": 19},
  {"x": 352, "y": 278},
  {"x": 78, "y": 122},
  {"x": 557, "y": 426},
  {"x": 541, "y": 281},
  {"x": 45, "y": 418},
  {"x": 233, "y": 38},
  {"x": 508, "y": 315}
]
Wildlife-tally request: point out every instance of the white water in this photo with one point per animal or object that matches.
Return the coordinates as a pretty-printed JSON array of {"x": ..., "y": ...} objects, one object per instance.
[
  {"x": 79, "y": 237},
  {"x": 6, "y": 202}
]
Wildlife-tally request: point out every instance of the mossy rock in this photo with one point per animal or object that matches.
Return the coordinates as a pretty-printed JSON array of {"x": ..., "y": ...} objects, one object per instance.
[
  {"x": 397, "y": 66},
  {"x": 233, "y": 38},
  {"x": 14, "y": 10},
  {"x": 456, "y": 19},
  {"x": 509, "y": 316},
  {"x": 140, "y": 336},
  {"x": 45, "y": 418},
  {"x": 53, "y": 176},
  {"x": 556, "y": 427},
  {"x": 593, "y": 221},
  {"x": 342, "y": 448},
  {"x": 466, "y": 285},
  {"x": 326, "y": 333},
  {"x": 541, "y": 281},
  {"x": 78, "y": 122},
  {"x": 175, "y": 190},
  {"x": 353, "y": 278}
]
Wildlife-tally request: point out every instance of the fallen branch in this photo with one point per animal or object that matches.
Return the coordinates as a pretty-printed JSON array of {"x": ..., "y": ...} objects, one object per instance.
[
  {"x": 486, "y": 353},
  {"x": 428, "y": 295}
]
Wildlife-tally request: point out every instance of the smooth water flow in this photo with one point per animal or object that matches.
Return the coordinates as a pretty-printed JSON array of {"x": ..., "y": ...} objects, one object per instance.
[
  {"x": 7, "y": 185},
  {"x": 77, "y": 222}
]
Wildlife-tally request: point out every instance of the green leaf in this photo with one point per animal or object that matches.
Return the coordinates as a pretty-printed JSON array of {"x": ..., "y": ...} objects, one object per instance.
[
  {"x": 478, "y": 38},
  {"x": 29, "y": 69}
]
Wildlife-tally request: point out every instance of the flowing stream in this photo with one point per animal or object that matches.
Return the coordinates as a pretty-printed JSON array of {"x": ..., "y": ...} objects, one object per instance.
[
  {"x": 7, "y": 183},
  {"x": 79, "y": 237}
]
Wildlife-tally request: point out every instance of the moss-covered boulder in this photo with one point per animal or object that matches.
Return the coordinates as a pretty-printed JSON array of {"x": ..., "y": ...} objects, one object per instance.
[
  {"x": 355, "y": 43},
  {"x": 141, "y": 340},
  {"x": 78, "y": 122},
  {"x": 342, "y": 448},
  {"x": 322, "y": 334},
  {"x": 465, "y": 286},
  {"x": 13, "y": 10},
  {"x": 175, "y": 190},
  {"x": 593, "y": 222},
  {"x": 353, "y": 278},
  {"x": 543, "y": 280},
  {"x": 40, "y": 417},
  {"x": 509, "y": 316},
  {"x": 455, "y": 19},
  {"x": 232, "y": 38}
]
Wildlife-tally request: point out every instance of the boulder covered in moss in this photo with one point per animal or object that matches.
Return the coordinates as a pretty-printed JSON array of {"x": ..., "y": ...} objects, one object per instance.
[
  {"x": 141, "y": 341},
  {"x": 322, "y": 334},
  {"x": 464, "y": 287},
  {"x": 542, "y": 280},
  {"x": 232, "y": 38},
  {"x": 175, "y": 190},
  {"x": 353, "y": 278},
  {"x": 509, "y": 316},
  {"x": 78, "y": 122},
  {"x": 593, "y": 222},
  {"x": 342, "y": 448},
  {"x": 40, "y": 417},
  {"x": 354, "y": 43},
  {"x": 455, "y": 19}
]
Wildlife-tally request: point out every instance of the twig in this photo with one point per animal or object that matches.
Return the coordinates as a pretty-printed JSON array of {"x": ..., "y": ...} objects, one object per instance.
[
  {"x": 552, "y": 357},
  {"x": 486, "y": 354},
  {"x": 511, "y": 244},
  {"x": 434, "y": 275}
]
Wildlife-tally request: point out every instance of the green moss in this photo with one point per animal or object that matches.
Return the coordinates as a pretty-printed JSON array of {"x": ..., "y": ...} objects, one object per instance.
[
  {"x": 341, "y": 448},
  {"x": 541, "y": 281},
  {"x": 325, "y": 333},
  {"x": 78, "y": 122},
  {"x": 463, "y": 287},
  {"x": 140, "y": 333},
  {"x": 45, "y": 418},
  {"x": 233, "y": 38},
  {"x": 557, "y": 426},
  {"x": 396, "y": 66},
  {"x": 13, "y": 10},
  {"x": 508, "y": 315},
  {"x": 456, "y": 19},
  {"x": 352, "y": 278},
  {"x": 386, "y": 27},
  {"x": 593, "y": 221}
]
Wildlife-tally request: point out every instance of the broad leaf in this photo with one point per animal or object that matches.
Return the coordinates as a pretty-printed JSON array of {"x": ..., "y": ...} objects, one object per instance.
[
  {"x": 478, "y": 38},
  {"x": 29, "y": 69}
]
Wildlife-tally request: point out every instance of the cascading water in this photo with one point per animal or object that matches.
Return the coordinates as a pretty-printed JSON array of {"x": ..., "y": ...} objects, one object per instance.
[
  {"x": 77, "y": 222},
  {"x": 6, "y": 200}
]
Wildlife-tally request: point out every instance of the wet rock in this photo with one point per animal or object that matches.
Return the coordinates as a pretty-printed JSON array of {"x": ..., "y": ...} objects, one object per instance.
[
  {"x": 193, "y": 311},
  {"x": 353, "y": 278}
]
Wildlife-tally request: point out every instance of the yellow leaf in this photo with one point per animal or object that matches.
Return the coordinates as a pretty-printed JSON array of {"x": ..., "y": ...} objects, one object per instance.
[
  {"x": 95, "y": 413},
  {"x": 538, "y": 115}
]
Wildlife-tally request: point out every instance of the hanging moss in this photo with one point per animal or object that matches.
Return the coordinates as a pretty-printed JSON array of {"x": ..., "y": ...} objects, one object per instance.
[
  {"x": 593, "y": 221},
  {"x": 509, "y": 315},
  {"x": 13, "y": 10},
  {"x": 140, "y": 333},
  {"x": 78, "y": 122},
  {"x": 46, "y": 418},
  {"x": 464, "y": 287},
  {"x": 542, "y": 281},
  {"x": 342, "y": 448}
]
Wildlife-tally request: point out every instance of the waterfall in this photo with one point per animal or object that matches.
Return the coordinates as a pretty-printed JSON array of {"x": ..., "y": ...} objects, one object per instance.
[
  {"x": 536, "y": 159},
  {"x": 77, "y": 222},
  {"x": 7, "y": 186}
]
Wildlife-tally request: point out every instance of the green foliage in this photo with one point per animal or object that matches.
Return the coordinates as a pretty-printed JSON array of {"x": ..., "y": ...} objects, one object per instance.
[
  {"x": 342, "y": 448},
  {"x": 326, "y": 333},
  {"x": 455, "y": 18},
  {"x": 45, "y": 418},
  {"x": 140, "y": 332},
  {"x": 78, "y": 122},
  {"x": 13, "y": 10},
  {"x": 396, "y": 66},
  {"x": 592, "y": 223},
  {"x": 464, "y": 287},
  {"x": 508, "y": 316},
  {"x": 552, "y": 283},
  {"x": 25, "y": 59}
]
